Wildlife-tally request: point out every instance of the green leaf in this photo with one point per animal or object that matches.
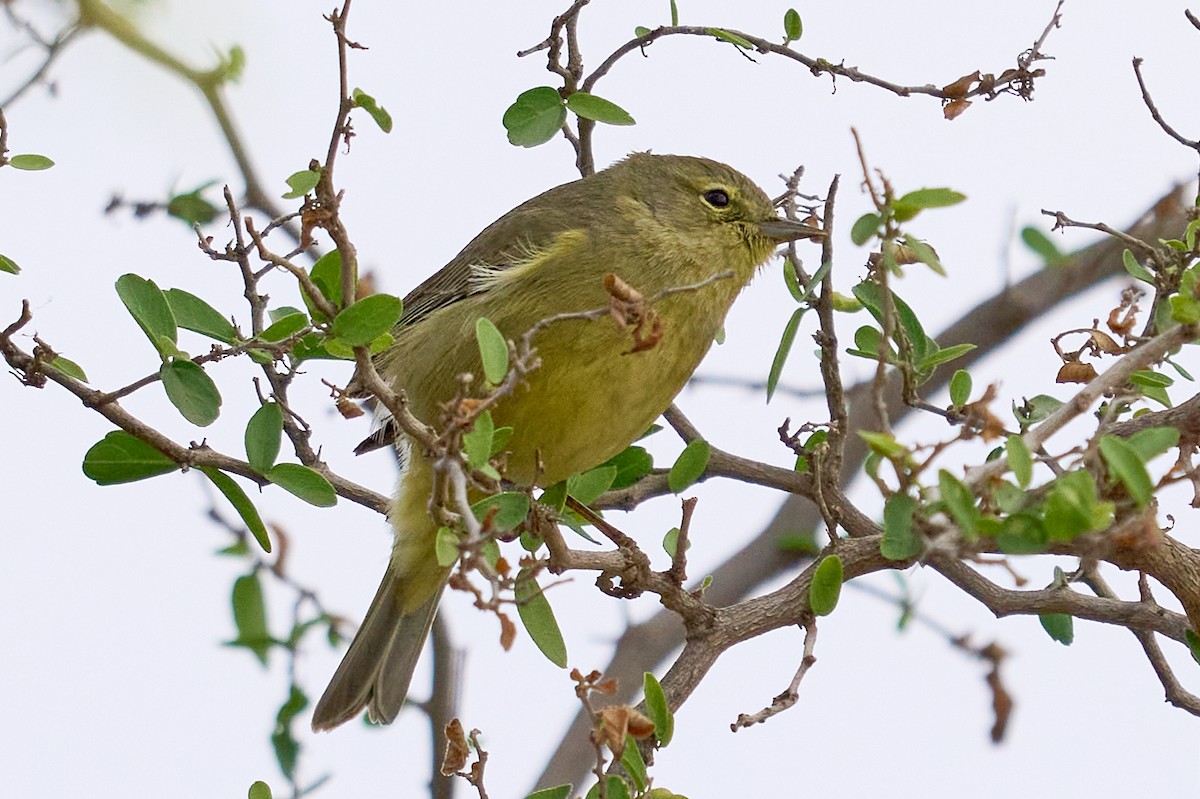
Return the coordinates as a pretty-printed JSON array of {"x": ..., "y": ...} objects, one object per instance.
[
  {"x": 641, "y": 30},
  {"x": 632, "y": 464},
  {"x": 1151, "y": 443},
  {"x": 635, "y": 766},
  {"x": 658, "y": 710},
  {"x": 884, "y": 444},
  {"x": 1126, "y": 465},
  {"x": 149, "y": 308},
  {"x": 301, "y": 183},
  {"x": 191, "y": 391},
  {"x": 511, "y": 509},
  {"x": 589, "y": 485},
  {"x": 1036, "y": 410},
  {"x": 193, "y": 313},
  {"x": 326, "y": 274},
  {"x": 69, "y": 368},
  {"x": 906, "y": 207},
  {"x": 943, "y": 355},
  {"x": 871, "y": 295},
  {"x": 368, "y": 319},
  {"x": 1193, "y": 642},
  {"x": 826, "y": 586},
  {"x": 674, "y": 14},
  {"x": 9, "y": 265},
  {"x": 615, "y": 788},
  {"x": 781, "y": 353},
  {"x": 589, "y": 106},
  {"x": 864, "y": 228},
  {"x": 535, "y": 117},
  {"x": 670, "y": 542},
  {"x": 264, "y": 433},
  {"x": 538, "y": 618},
  {"x": 1185, "y": 309},
  {"x": 192, "y": 208},
  {"x": 1059, "y": 626},
  {"x": 445, "y": 547},
  {"x": 121, "y": 458},
  {"x": 924, "y": 254},
  {"x": 1135, "y": 268},
  {"x": 1020, "y": 460},
  {"x": 377, "y": 112},
  {"x": 1042, "y": 244},
  {"x": 30, "y": 162},
  {"x": 792, "y": 27},
  {"x": 250, "y": 616},
  {"x": 960, "y": 388},
  {"x": 731, "y": 37},
  {"x": 899, "y": 542},
  {"x": 493, "y": 350},
  {"x": 557, "y": 792},
  {"x": 477, "y": 442},
  {"x": 303, "y": 482},
  {"x": 689, "y": 466},
  {"x": 287, "y": 748},
  {"x": 260, "y": 790},
  {"x": 1071, "y": 507},
  {"x": 284, "y": 327},
  {"x": 1022, "y": 534},
  {"x": 960, "y": 504},
  {"x": 241, "y": 503}
]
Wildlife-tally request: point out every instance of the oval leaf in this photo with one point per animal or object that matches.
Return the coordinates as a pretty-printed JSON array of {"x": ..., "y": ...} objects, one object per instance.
[
  {"x": 589, "y": 106},
  {"x": 689, "y": 466},
  {"x": 193, "y": 313},
  {"x": 826, "y": 586},
  {"x": 781, "y": 352},
  {"x": 511, "y": 508},
  {"x": 264, "y": 433},
  {"x": 1126, "y": 465},
  {"x": 899, "y": 542},
  {"x": 1019, "y": 460},
  {"x": 241, "y": 503},
  {"x": 538, "y": 618},
  {"x": 493, "y": 350},
  {"x": 30, "y": 162},
  {"x": 250, "y": 616},
  {"x": 191, "y": 391},
  {"x": 364, "y": 321},
  {"x": 960, "y": 388},
  {"x": 121, "y": 458},
  {"x": 1059, "y": 626},
  {"x": 303, "y": 482},
  {"x": 658, "y": 710},
  {"x": 535, "y": 117},
  {"x": 148, "y": 306},
  {"x": 301, "y": 183},
  {"x": 9, "y": 265},
  {"x": 792, "y": 27}
]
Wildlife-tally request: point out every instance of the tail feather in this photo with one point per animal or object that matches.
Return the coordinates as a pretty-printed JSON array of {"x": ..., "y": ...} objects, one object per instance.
[{"x": 378, "y": 667}]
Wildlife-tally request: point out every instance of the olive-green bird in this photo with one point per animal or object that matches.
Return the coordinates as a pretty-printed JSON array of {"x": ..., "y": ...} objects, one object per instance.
[{"x": 656, "y": 222}]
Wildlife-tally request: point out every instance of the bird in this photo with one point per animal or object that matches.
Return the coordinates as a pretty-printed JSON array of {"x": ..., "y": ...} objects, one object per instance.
[{"x": 657, "y": 223}]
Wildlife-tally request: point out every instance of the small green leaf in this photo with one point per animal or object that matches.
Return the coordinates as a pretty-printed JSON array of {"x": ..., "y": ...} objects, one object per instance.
[
  {"x": 1126, "y": 465},
  {"x": 326, "y": 274},
  {"x": 732, "y": 38},
  {"x": 1135, "y": 268},
  {"x": 960, "y": 388},
  {"x": 632, "y": 464},
  {"x": 674, "y": 14},
  {"x": 191, "y": 391},
  {"x": 1036, "y": 410},
  {"x": 906, "y": 207},
  {"x": 635, "y": 766},
  {"x": 377, "y": 112},
  {"x": 1059, "y": 626},
  {"x": 792, "y": 27},
  {"x": 1022, "y": 534},
  {"x": 670, "y": 542},
  {"x": 364, "y": 321},
  {"x": 264, "y": 433},
  {"x": 9, "y": 265},
  {"x": 538, "y": 618},
  {"x": 511, "y": 508},
  {"x": 557, "y": 792},
  {"x": 589, "y": 106},
  {"x": 658, "y": 710},
  {"x": 641, "y": 30},
  {"x": 883, "y": 444},
  {"x": 924, "y": 254},
  {"x": 193, "y": 313},
  {"x": 960, "y": 504},
  {"x": 1042, "y": 244},
  {"x": 241, "y": 503},
  {"x": 1153, "y": 442},
  {"x": 121, "y": 458},
  {"x": 477, "y": 442},
  {"x": 192, "y": 208},
  {"x": 943, "y": 355},
  {"x": 30, "y": 162},
  {"x": 303, "y": 482},
  {"x": 589, "y": 485},
  {"x": 535, "y": 117},
  {"x": 1185, "y": 309},
  {"x": 260, "y": 790},
  {"x": 149, "y": 308},
  {"x": 250, "y": 616},
  {"x": 493, "y": 350},
  {"x": 899, "y": 542},
  {"x": 864, "y": 228},
  {"x": 301, "y": 183},
  {"x": 284, "y": 327},
  {"x": 826, "y": 586},
  {"x": 615, "y": 788},
  {"x": 287, "y": 748},
  {"x": 445, "y": 547},
  {"x": 1020, "y": 460},
  {"x": 689, "y": 466},
  {"x": 1193, "y": 642},
  {"x": 69, "y": 368},
  {"x": 781, "y": 352}
]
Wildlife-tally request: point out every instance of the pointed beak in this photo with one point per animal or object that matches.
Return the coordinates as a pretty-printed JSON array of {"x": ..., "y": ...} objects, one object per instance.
[{"x": 784, "y": 230}]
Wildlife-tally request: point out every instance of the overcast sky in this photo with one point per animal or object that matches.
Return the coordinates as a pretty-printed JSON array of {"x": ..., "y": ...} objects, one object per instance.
[{"x": 113, "y": 679}]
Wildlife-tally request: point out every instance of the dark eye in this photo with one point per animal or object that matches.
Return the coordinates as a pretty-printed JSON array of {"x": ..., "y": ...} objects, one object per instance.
[{"x": 717, "y": 198}]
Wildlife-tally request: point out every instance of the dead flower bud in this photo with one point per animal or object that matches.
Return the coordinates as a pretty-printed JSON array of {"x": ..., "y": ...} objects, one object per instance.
[
  {"x": 617, "y": 721},
  {"x": 959, "y": 88},
  {"x": 954, "y": 108},
  {"x": 457, "y": 751},
  {"x": 1075, "y": 372},
  {"x": 508, "y": 632},
  {"x": 348, "y": 408},
  {"x": 1105, "y": 343}
]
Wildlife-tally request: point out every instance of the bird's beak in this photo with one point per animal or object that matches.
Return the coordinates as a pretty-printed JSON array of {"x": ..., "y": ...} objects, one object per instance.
[{"x": 783, "y": 230}]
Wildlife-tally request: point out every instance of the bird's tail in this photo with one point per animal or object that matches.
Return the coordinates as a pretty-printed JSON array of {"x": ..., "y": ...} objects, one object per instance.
[{"x": 378, "y": 666}]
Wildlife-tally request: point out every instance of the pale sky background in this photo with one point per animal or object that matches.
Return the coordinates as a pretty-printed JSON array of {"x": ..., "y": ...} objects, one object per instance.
[{"x": 113, "y": 680}]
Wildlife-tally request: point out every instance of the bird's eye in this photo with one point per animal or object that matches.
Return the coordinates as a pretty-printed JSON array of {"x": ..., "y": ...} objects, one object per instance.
[{"x": 717, "y": 198}]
